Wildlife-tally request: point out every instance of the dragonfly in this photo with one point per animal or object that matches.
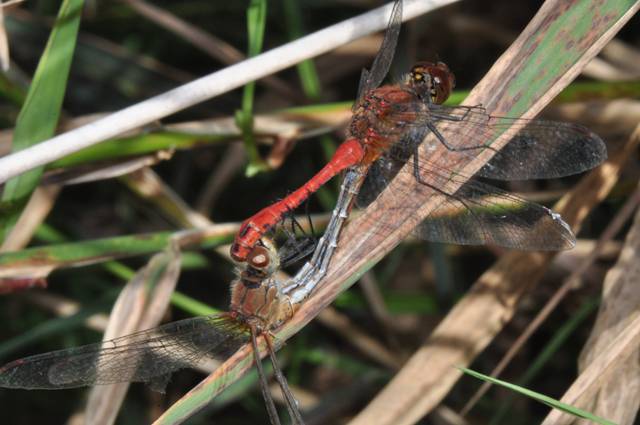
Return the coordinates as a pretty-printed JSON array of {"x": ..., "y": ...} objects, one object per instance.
[
  {"x": 257, "y": 306},
  {"x": 388, "y": 129}
]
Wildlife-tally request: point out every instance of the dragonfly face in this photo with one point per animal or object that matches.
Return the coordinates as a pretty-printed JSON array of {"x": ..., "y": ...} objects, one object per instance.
[
  {"x": 262, "y": 262},
  {"x": 432, "y": 82}
]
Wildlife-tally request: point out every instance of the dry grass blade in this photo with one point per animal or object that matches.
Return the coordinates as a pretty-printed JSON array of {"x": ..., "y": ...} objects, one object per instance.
[
  {"x": 232, "y": 161},
  {"x": 622, "y": 62},
  {"x": 371, "y": 347},
  {"x": 600, "y": 370},
  {"x": 37, "y": 262},
  {"x": 5, "y": 60},
  {"x": 35, "y": 212},
  {"x": 571, "y": 282},
  {"x": 104, "y": 171},
  {"x": 137, "y": 308},
  {"x": 478, "y": 317},
  {"x": 148, "y": 185},
  {"x": 10, "y": 3},
  {"x": 618, "y": 397},
  {"x": 64, "y": 307}
]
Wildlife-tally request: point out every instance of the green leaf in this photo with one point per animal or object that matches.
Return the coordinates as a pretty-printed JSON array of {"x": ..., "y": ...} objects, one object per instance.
[{"x": 39, "y": 115}]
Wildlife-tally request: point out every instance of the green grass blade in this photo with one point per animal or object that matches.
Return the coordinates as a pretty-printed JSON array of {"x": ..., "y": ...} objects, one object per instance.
[
  {"x": 140, "y": 144},
  {"x": 153, "y": 141},
  {"x": 306, "y": 69},
  {"x": 256, "y": 22},
  {"x": 311, "y": 86},
  {"x": 12, "y": 91},
  {"x": 39, "y": 115},
  {"x": 40, "y": 261},
  {"x": 559, "y": 339},
  {"x": 121, "y": 271},
  {"x": 579, "y": 413},
  {"x": 191, "y": 305}
]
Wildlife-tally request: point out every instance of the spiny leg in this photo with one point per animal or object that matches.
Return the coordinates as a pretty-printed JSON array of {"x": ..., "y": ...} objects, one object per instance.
[
  {"x": 264, "y": 385},
  {"x": 305, "y": 281},
  {"x": 292, "y": 404}
]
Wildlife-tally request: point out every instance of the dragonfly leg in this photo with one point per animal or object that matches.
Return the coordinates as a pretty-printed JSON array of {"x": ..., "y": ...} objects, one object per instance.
[
  {"x": 449, "y": 117},
  {"x": 449, "y": 146},
  {"x": 419, "y": 179},
  {"x": 297, "y": 247},
  {"x": 292, "y": 403},
  {"x": 305, "y": 281},
  {"x": 264, "y": 385}
]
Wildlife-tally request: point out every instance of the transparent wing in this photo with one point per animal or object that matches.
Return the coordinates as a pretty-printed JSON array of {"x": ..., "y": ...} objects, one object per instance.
[
  {"x": 479, "y": 214},
  {"x": 537, "y": 148},
  {"x": 475, "y": 214},
  {"x": 378, "y": 178},
  {"x": 146, "y": 356},
  {"x": 385, "y": 169},
  {"x": 380, "y": 68}
]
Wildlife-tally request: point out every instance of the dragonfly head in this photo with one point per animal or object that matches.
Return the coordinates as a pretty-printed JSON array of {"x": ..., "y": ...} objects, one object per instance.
[
  {"x": 432, "y": 81},
  {"x": 262, "y": 261}
]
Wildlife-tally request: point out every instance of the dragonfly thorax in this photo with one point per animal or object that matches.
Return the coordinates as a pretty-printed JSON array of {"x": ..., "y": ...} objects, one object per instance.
[
  {"x": 263, "y": 306},
  {"x": 382, "y": 117}
]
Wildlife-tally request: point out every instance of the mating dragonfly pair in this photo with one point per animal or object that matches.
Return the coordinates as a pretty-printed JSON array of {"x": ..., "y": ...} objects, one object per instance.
[{"x": 391, "y": 132}]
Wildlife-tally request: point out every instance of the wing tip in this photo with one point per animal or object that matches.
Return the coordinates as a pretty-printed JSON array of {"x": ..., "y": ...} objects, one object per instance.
[{"x": 567, "y": 239}]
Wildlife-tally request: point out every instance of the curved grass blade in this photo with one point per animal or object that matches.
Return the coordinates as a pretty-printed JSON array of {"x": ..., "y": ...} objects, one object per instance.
[
  {"x": 579, "y": 413},
  {"x": 141, "y": 305},
  {"x": 39, "y": 115}
]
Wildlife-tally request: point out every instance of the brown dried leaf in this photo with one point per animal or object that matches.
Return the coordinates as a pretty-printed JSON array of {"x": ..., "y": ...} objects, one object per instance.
[
  {"x": 141, "y": 305},
  {"x": 618, "y": 398}
]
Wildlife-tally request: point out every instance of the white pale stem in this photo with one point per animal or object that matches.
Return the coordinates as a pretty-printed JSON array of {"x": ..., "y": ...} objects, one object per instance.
[{"x": 206, "y": 87}]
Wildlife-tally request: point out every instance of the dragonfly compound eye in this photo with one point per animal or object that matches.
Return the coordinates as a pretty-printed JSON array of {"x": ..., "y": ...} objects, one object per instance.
[
  {"x": 443, "y": 82},
  {"x": 259, "y": 257}
]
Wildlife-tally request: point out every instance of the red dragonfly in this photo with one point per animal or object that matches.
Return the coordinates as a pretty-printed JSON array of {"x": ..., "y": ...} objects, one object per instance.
[
  {"x": 388, "y": 126},
  {"x": 257, "y": 306}
]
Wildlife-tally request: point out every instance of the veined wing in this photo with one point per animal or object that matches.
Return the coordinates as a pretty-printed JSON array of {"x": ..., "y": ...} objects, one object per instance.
[
  {"x": 479, "y": 214},
  {"x": 369, "y": 80},
  {"x": 476, "y": 213},
  {"x": 538, "y": 149},
  {"x": 146, "y": 356}
]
